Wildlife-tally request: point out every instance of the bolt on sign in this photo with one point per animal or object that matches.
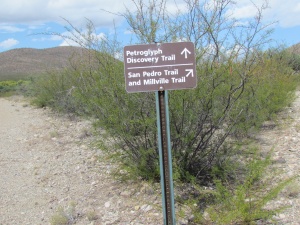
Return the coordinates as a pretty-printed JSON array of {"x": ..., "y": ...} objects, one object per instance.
[{"x": 159, "y": 67}]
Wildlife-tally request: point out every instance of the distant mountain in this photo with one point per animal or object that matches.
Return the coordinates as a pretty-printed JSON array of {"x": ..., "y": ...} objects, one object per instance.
[
  {"x": 295, "y": 48},
  {"x": 29, "y": 61}
]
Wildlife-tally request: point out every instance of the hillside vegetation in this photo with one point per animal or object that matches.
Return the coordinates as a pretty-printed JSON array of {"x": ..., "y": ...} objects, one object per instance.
[
  {"x": 19, "y": 67},
  {"x": 28, "y": 62}
]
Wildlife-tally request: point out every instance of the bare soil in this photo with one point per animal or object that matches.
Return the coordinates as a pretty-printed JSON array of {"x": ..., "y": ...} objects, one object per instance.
[
  {"x": 50, "y": 172},
  {"x": 282, "y": 138}
]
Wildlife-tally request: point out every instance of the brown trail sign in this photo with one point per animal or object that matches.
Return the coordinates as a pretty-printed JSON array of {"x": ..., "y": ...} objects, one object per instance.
[
  {"x": 161, "y": 67},
  {"x": 158, "y": 67}
]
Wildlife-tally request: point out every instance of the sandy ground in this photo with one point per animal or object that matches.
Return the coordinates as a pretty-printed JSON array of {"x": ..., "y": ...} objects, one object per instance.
[
  {"x": 283, "y": 140},
  {"x": 47, "y": 163}
]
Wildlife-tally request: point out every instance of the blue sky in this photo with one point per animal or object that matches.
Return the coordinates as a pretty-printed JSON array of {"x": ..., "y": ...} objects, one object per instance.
[{"x": 23, "y": 22}]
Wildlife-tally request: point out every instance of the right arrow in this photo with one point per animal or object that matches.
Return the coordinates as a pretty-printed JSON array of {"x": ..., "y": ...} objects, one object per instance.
[{"x": 190, "y": 72}]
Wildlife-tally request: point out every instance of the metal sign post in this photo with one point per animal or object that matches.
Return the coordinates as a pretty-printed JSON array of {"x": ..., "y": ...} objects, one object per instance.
[
  {"x": 165, "y": 157},
  {"x": 161, "y": 67}
]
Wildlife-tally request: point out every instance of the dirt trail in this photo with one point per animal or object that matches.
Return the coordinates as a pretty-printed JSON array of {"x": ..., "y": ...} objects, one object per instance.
[
  {"x": 46, "y": 162},
  {"x": 284, "y": 141}
]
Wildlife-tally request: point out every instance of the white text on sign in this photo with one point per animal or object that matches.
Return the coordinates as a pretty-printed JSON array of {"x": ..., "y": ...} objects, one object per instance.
[{"x": 165, "y": 66}]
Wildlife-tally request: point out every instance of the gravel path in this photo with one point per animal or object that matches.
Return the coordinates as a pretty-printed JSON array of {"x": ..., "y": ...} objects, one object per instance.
[
  {"x": 284, "y": 140},
  {"x": 49, "y": 172}
]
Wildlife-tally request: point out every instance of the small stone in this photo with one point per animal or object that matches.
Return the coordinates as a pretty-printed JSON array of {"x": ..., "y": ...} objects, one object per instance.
[
  {"x": 107, "y": 204},
  {"x": 279, "y": 160},
  {"x": 94, "y": 183},
  {"x": 281, "y": 216},
  {"x": 146, "y": 208},
  {"x": 126, "y": 194},
  {"x": 206, "y": 216},
  {"x": 84, "y": 147},
  {"x": 183, "y": 222},
  {"x": 147, "y": 189},
  {"x": 191, "y": 217}
]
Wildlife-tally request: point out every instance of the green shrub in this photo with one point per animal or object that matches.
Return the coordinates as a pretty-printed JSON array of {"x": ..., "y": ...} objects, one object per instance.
[
  {"x": 64, "y": 216},
  {"x": 201, "y": 119},
  {"x": 244, "y": 204},
  {"x": 9, "y": 87},
  {"x": 239, "y": 87},
  {"x": 242, "y": 200}
]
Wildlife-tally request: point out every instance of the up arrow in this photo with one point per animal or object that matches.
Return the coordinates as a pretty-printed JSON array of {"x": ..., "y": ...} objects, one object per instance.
[
  {"x": 185, "y": 52},
  {"x": 190, "y": 72}
]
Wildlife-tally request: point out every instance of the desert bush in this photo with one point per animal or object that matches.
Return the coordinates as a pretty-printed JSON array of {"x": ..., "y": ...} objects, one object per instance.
[
  {"x": 238, "y": 201},
  {"x": 52, "y": 90},
  {"x": 64, "y": 216},
  {"x": 9, "y": 87},
  {"x": 239, "y": 86},
  {"x": 245, "y": 203}
]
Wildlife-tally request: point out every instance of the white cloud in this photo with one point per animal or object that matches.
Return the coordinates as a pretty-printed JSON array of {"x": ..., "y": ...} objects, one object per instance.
[
  {"x": 290, "y": 16},
  {"x": 38, "y": 17},
  {"x": 8, "y": 43},
  {"x": 297, "y": 8},
  {"x": 69, "y": 39},
  {"x": 241, "y": 12},
  {"x": 56, "y": 38},
  {"x": 69, "y": 43},
  {"x": 10, "y": 29},
  {"x": 287, "y": 13},
  {"x": 32, "y": 12},
  {"x": 174, "y": 7},
  {"x": 42, "y": 39}
]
